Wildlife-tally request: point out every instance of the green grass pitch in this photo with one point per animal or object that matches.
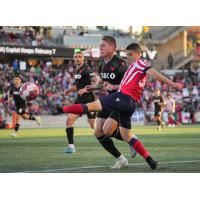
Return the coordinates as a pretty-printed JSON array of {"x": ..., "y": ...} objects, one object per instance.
[{"x": 42, "y": 150}]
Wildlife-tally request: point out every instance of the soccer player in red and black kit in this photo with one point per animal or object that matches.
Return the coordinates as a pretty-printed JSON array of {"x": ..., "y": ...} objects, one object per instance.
[
  {"x": 159, "y": 104},
  {"x": 125, "y": 100},
  {"x": 83, "y": 76},
  {"x": 20, "y": 104},
  {"x": 111, "y": 72}
]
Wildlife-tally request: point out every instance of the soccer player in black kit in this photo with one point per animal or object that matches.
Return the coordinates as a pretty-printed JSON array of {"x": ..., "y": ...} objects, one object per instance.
[
  {"x": 159, "y": 104},
  {"x": 84, "y": 76},
  {"x": 20, "y": 105},
  {"x": 111, "y": 71}
]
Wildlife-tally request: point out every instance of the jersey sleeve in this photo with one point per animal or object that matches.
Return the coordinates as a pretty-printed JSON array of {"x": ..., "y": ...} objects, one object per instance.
[
  {"x": 162, "y": 99},
  {"x": 10, "y": 92},
  {"x": 145, "y": 66}
]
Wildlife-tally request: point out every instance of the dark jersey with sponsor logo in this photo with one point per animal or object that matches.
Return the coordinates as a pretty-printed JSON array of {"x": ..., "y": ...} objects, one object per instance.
[
  {"x": 19, "y": 102},
  {"x": 113, "y": 71},
  {"x": 157, "y": 100},
  {"x": 83, "y": 76}
]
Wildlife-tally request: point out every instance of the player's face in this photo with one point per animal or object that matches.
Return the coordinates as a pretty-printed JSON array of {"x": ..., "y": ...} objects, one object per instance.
[
  {"x": 132, "y": 56},
  {"x": 157, "y": 92},
  {"x": 17, "y": 81},
  {"x": 106, "y": 49},
  {"x": 79, "y": 59}
]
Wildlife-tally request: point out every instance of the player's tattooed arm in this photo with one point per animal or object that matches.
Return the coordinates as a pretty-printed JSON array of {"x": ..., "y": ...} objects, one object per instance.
[
  {"x": 72, "y": 89},
  {"x": 97, "y": 83},
  {"x": 158, "y": 76}
]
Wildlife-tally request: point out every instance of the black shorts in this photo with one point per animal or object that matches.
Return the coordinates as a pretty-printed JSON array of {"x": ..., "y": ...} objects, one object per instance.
[
  {"x": 104, "y": 114},
  {"x": 158, "y": 113},
  {"x": 123, "y": 105},
  {"x": 84, "y": 99},
  {"x": 21, "y": 110}
]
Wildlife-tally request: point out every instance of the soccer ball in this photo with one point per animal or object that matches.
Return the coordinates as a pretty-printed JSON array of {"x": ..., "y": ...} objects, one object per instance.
[{"x": 28, "y": 91}]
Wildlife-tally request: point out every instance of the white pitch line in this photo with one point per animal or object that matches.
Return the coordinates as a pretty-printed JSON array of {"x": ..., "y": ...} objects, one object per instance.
[{"x": 101, "y": 166}]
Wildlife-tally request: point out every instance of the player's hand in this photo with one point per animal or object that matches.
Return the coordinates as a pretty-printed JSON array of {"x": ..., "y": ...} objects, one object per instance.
[
  {"x": 88, "y": 88},
  {"x": 82, "y": 91},
  {"x": 110, "y": 87},
  {"x": 178, "y": 86}
]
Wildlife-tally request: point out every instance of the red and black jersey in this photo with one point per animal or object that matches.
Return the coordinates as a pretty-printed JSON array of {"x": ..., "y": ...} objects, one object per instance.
[
  {"x": 83, "y": 76},
  {"x": 157, "y": 100},
  {"x": 113, "y": 71},
  {"x": 19, "y": 102}
]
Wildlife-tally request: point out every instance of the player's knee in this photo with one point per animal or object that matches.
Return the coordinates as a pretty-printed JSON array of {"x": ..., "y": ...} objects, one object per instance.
[
  {"x": 24, "y": 116},
  {"x": 98, "y": 132},
  {"x": 108, "y": 130},
  {"x": 69, "y": 122}
]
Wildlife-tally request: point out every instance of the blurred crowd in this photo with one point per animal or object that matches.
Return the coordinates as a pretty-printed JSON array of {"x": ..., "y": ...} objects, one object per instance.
[
  {"x": 24, "y": 35},
  {"x": 52, "y": 80},
  {"x": 186, "y": 101}
]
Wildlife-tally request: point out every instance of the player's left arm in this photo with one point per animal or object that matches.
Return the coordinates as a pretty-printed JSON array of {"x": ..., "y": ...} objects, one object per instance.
[
  {"x": 96, "y": 82},
  {"x": 158, "y": 76},
  {"x": 163, "y": 102}
]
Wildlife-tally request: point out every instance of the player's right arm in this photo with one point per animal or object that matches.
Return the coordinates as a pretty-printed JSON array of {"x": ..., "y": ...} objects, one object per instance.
[
  {"x": 97, "y": 83},
  {"x": 158, "y": 76},
  {"x": 72, "y": 89},
  {"x": 10, "y": 96}
]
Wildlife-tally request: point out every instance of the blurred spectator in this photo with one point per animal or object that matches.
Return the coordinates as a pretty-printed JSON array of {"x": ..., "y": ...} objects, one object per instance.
[
  {"x": 16, "y": 65},
  {"x": 170, "y": 60}
]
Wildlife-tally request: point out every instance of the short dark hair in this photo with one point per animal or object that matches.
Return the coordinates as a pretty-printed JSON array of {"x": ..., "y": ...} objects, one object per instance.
[
  {"x": 18, "y": 75},
  {"x": 110, "y": 40},
  {"x": 134, "y": 47}
]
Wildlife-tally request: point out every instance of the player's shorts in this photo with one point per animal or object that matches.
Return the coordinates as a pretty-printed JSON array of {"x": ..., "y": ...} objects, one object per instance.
[
  {"x": 158, "y": 113},
  {"x": 21, "y": 110},
  {"x": 84, "y": 99},
  {"x": 104, "y": 114},
  {"x": 123, "y": 105}
]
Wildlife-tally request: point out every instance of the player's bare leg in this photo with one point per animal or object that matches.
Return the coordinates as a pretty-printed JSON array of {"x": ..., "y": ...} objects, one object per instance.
[
  {"x": 91, "y": 123},
  {"x": 138, "y": 146},
  {"x": 27, "y": 116},
  {"x": 17, "y": 125},
  {"x": 71, "y": 119},
  {"x": 158, "y": 119},
  {"x": 111, "y": 129}
]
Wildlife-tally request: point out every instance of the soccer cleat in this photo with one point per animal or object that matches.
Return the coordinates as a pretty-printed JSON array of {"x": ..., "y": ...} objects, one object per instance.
[
  {"x": 152, "y": 163},
  {"x": 38, "y": 120},
  {"x": 14, "y": 134},
  {"x": 132, "y": 151},
  {"x": 159, "y": 128},
  {"x": 70, "y": 150},
  {"x": 120, "y": 163}
]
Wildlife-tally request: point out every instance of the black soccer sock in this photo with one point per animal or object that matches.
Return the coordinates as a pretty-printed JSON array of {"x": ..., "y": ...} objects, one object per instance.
[
  {"x": 109, "y": 146},
  {"x": 158, "y": 122},
  {"x": 31, "y": 117},
  {"x": 116, "y": 134},
  {"x": 70, "y": 134},
  {"x": 17, "y": 127}
]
